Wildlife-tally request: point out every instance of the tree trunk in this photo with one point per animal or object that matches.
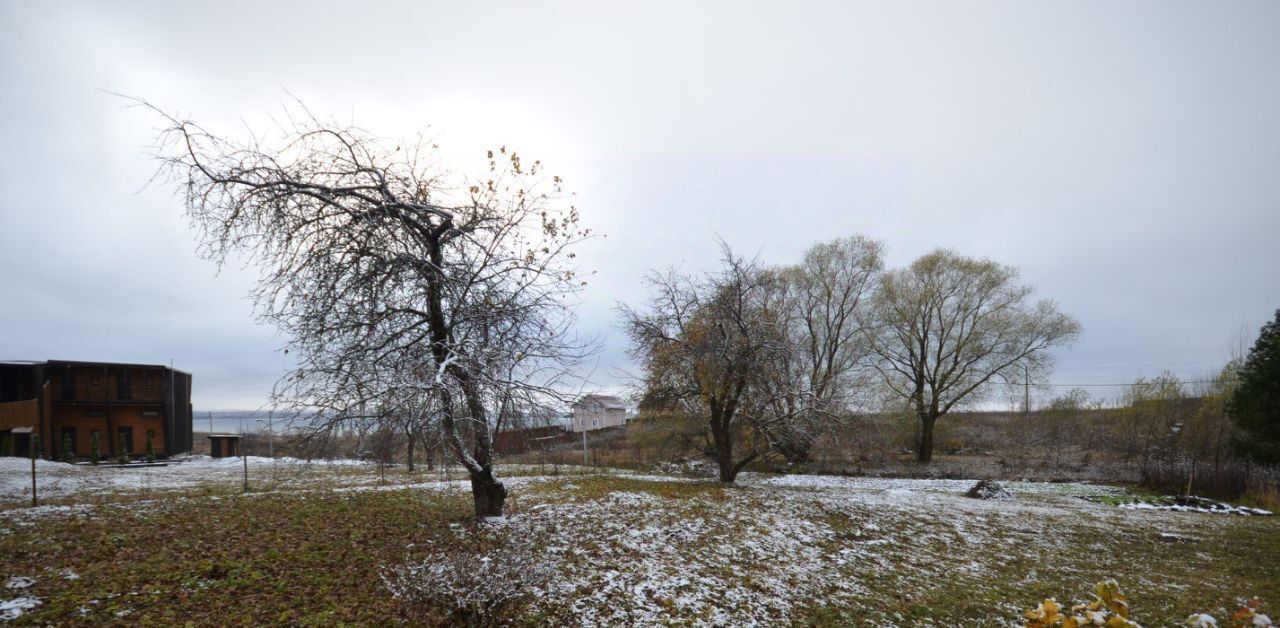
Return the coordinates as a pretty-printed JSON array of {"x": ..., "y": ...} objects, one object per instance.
[
  {"x": 722, "y": 436},
  {"x": 925, "y": 452},
  {"x": 727, "y": 472},
  {"x": 489, "y": 494},
  {"x": 409, "y": 455}
]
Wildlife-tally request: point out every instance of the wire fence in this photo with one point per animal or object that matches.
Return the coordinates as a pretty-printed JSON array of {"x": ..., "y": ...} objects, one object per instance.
[{"x": 260, "y": 462}]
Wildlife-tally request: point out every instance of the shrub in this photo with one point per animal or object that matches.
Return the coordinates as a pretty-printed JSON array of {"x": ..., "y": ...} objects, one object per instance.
[
  {"x": 473, "y": 587},
  {"x": 151, "y": 450},
  {"x": 95, "y": 452},
  {"x": 122, "y": 451},
  {"x": 67, "y": 447}
]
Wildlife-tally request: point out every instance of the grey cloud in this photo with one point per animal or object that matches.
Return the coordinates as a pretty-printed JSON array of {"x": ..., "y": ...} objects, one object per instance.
[{"x": 1123, "y": 156}]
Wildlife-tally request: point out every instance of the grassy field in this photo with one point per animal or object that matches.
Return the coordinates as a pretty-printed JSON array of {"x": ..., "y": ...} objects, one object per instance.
[{"x": 802, "y": 550}]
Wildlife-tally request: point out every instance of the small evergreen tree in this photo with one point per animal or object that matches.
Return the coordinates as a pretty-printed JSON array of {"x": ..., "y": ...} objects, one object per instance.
[
  {"x": 122, "y": 456},
  {"x": 6, "y": 446},
  {"x": 36, "y": 450},
  {"x": 1255, "y": 406},
  {"x": 151, "y": 450},
  {"x": 95, "y": 452},
  {"x": 67, "y": 446}
]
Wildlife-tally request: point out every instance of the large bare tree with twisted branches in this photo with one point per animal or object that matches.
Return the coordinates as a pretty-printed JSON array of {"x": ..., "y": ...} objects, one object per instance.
[
  {"x": 391, "y": 276},
  {"x": 948, "y": 327}
]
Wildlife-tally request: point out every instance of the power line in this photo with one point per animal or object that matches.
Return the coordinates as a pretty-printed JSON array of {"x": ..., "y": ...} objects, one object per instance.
[
  {"x": 1089, "y": 365},
  {"x": 1149, "y": 381}
]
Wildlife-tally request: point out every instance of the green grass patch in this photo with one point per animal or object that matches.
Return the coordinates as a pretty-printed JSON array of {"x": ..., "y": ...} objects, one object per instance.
[{"x": 1118, "y": 500}]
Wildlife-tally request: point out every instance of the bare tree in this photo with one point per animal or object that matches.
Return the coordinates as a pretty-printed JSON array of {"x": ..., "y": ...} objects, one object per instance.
[
  {"x": 413, "y": 410},
  {"x": 703, "y": 343},
  {"x": 819, "y": 374},
  {"x": 386, "y": 272},
  {"x": 949, "y": 325}
]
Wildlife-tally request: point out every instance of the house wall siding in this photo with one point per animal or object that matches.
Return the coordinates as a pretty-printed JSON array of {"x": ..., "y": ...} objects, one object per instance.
[
  {"x": 19, "y": 414},
  {"x": 102, "y": 383},
  {"x": 108, "y": 426},
  {"x": 607, "y": 417}
]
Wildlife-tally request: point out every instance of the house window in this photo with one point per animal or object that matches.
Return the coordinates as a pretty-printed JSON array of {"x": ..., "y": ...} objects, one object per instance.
[
  {"x": 595, "y": 422},
  {"x": 93, "y": 380},
  {"x": 68, "y": 384},
  {"x": 150, "y": 413},
  {"x": 146, "y": 381},
  {"x": 124, "y": 385}
]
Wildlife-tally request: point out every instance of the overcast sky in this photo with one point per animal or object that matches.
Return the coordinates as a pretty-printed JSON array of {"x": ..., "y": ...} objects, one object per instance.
[{"x": 1124, "y": 156}]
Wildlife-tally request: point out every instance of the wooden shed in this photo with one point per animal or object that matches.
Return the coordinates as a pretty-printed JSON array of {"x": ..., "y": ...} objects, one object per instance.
[{"x": 224, "y": 445}]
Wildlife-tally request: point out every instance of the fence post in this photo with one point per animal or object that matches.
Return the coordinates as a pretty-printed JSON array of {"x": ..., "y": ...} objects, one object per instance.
[{"x": 37, "y": 451}]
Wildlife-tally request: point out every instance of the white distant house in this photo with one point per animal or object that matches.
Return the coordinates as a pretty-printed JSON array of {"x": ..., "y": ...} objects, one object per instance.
[{"x": 593, "y": 412}]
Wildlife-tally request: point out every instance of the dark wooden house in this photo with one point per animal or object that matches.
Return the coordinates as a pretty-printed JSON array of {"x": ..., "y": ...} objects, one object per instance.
[{"x": 121, "y": 405}]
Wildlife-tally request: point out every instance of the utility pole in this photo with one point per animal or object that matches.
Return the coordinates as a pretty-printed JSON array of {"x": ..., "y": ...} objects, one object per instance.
[{"x": 1026, "y": 389}]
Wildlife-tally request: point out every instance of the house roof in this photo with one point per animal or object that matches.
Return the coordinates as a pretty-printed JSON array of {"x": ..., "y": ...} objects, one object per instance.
[
  {"x": 609, "y": 401},
  {"x": 85, "y": 363}
]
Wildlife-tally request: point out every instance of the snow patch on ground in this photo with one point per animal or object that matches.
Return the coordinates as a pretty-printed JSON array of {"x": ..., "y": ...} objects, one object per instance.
[
  {"x": 13, "y": 609},
  {"x": 904, "y": 486},
  {"x": 1228, "y": 510},
  {"x": 55, "y": 480},
  {"x": 23, "y": 517},
  {"x": 59, "y": 480},
  {"x": 633, "y": 558},
  {"x": 19, "y": 582},
  {"x": 757, "y": 554}
]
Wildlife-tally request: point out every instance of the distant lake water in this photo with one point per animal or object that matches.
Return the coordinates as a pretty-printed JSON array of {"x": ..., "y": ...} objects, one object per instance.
[{"x": 235, "y": 422}]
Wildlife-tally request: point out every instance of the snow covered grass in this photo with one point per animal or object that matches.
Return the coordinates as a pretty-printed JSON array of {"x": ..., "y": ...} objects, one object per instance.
[
  {"x": 62, "y": 483},
  {"x": 631, "y": 550}
]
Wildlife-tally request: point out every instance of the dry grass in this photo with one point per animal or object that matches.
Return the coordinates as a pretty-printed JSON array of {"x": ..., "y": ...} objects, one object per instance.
[{"x": 850, "y": 552}]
